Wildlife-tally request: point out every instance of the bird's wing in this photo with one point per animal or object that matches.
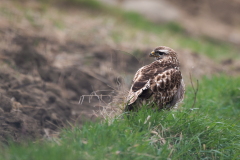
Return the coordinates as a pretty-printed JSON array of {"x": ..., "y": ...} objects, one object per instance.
[
  {"x": 148, "y": 76},
  {"x": 140, "y": 83}
]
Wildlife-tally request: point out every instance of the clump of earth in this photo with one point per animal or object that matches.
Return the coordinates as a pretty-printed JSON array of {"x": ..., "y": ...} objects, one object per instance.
[{"x": 40, "y": 93}]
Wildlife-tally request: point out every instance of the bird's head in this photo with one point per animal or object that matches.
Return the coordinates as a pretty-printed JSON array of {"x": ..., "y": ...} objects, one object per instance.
[{"x": 164, "y": 53}]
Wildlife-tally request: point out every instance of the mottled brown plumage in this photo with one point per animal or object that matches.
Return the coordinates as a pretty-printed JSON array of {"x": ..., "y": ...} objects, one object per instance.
[{"x": 159, "y": 82}]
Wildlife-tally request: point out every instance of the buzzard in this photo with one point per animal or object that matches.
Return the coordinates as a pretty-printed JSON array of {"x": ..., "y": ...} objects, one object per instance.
[{"x": 159, "y": 83}]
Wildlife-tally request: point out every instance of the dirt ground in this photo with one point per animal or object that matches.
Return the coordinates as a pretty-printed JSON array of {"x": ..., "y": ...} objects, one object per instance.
[
  {"x": 40, "y": 94},
  {"x": 47, "y": 79},
  {"x": 218, "y": 19}
]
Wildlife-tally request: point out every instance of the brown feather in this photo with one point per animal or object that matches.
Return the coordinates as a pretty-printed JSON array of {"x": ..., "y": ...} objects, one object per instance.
[{"x": 160, "y": 82}]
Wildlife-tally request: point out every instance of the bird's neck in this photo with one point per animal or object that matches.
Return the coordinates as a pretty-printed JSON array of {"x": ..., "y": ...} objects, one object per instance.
[{"x": 169, "y": 60}]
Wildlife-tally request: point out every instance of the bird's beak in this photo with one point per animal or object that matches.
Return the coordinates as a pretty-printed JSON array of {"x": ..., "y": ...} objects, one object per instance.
[{"x": 152, "y": 54}]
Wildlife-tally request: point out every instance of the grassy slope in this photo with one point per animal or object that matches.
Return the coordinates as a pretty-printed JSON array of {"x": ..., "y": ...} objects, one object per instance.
[
  {"x": 210, "y": 130},
  {"x": 205, "y": 132}
]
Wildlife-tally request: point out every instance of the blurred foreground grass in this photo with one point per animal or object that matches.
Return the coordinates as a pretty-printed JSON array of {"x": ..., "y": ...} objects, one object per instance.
[{"x": 208, "y": 131}]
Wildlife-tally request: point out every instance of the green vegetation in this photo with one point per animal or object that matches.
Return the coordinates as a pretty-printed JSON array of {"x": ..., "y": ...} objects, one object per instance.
[
  {"x": 208, "y": 130},
  {"x": 199, "y": 133},
  {"x": 219, "y": 97}
]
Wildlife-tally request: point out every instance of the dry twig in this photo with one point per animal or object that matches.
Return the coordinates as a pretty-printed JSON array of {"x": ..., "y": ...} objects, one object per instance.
[{"x": 195, "y": 91}]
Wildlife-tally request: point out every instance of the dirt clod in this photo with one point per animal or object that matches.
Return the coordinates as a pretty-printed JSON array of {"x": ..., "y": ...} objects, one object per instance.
[
  {"x": 36, "y": 96},
  {"x": 5, "y": 103}
]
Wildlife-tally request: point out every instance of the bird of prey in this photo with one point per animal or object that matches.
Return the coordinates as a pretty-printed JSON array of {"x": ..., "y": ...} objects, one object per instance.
[{"x": 159, "y": 83}]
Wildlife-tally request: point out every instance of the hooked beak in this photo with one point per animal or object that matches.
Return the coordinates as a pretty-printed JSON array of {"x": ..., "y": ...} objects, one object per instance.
[{"x": 152, "y": 54}]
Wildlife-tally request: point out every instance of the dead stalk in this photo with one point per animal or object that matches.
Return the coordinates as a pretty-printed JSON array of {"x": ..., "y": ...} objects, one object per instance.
[{"x": 195, "y": 91}]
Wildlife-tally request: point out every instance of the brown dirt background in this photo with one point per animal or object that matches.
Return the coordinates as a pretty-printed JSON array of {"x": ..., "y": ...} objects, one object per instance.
[
  {"x": 44, "y": 74},
  {"x": 217, "y": 19}
]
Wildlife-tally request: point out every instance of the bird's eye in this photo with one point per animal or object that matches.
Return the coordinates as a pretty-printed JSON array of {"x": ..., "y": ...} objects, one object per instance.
[{"x": 160, "y": 53}]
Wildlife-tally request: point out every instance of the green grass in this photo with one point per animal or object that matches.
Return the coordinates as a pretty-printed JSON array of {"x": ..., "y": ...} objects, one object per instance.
[
  {"x": 219, "y": 96},
  {"x": 202, "y": 133},
  {"x": 208, "y": 131}
]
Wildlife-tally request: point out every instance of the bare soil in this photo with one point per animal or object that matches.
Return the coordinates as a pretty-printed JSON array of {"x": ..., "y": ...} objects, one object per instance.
[
  {"x": 40, "y": 94},
  {"x": 218, "y": 19}
]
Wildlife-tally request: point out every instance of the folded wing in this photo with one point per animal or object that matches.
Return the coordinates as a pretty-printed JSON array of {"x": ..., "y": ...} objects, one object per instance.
[{"x": 154, "y": 79}]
